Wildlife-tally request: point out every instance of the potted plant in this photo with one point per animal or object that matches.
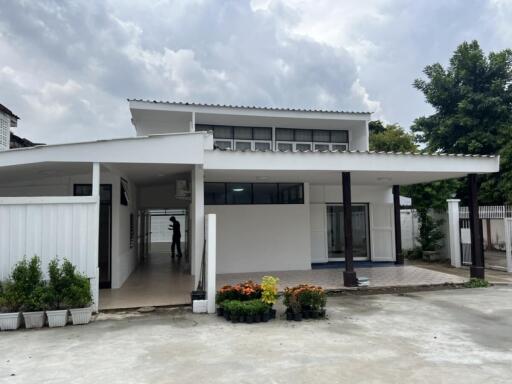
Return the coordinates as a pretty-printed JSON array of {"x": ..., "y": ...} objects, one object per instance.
[
  {"x": 56, "y": 313},
  {"x": 27, "y": 279},
  {"x": 269, "y": 293},
  {"x": 10, "y": 302},
  {"x": 293, "y": 308},
  {"x": 77, "y": 295}
]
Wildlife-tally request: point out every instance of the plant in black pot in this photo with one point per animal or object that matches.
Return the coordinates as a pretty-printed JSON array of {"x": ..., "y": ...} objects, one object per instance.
[
  {"x": 234, "y": 309},
  {"x": 269, "y": 293},
  {"x": 293, "y": 308}
]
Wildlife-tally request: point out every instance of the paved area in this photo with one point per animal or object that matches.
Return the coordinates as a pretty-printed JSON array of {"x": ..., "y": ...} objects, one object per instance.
[
  {"x": 163, "y": 282},
  {"x": 496, "y": 260},
  {"x": 388, "y": 276},
  {"x": 452, "y": 336}
]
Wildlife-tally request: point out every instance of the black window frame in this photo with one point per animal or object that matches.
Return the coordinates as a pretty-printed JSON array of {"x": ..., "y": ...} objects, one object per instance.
[{"x": 279, "y": 201}]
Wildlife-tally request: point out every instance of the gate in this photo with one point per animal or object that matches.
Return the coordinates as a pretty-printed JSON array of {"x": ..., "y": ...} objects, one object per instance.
[{"x": 465, "y": 240}]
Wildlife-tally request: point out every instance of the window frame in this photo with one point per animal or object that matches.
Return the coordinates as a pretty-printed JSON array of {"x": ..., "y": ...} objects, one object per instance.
[{"x": 279, "y": 200}]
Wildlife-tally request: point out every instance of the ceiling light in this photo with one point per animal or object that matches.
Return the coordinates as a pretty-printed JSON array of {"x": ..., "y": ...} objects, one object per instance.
[{"x": 238, "y": 189}]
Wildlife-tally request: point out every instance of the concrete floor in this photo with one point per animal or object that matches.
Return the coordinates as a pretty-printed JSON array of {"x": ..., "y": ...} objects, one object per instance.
[{"x": 453, "y": 336}]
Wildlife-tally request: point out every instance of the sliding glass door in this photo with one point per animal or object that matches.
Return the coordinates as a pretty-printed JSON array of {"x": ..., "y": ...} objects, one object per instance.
[{"x": 336, "y": 234}]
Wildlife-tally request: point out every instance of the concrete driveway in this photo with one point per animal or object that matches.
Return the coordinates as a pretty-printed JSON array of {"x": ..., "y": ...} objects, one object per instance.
[{"x": 452, "y": 336}]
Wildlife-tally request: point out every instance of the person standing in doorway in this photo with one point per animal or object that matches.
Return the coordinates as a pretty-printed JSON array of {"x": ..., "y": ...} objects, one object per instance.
[{"x": 176, "y": 237}]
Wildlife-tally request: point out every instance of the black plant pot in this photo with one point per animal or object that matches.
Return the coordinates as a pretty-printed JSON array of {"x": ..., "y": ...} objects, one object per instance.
[
  {"x": 297, "y": 316},
  {"x": 235, "y": 318},
  {"x": 306, "y": 314},
  {"x": 257, "y": 318},
  {"x": 322, "y": 313},
  {"x": 265, "y": 317},
  {"x": 226, "y": 315},
  {"x": 273, "y": 313},
  {"x": 289, "y": 316},
  {"x": 249, "y": 319},
  {"x": 220, "y": 311},
  {"x": 315, "y": 314}
]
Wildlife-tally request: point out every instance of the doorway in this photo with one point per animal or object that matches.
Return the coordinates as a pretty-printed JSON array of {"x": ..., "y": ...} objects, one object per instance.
[
  {"x": 336, "y": 234},
  {"x": 105, "y": 230}
]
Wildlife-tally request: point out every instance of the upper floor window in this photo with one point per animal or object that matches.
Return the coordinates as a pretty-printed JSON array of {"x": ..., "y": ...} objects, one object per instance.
[
  {"x": 288, "y": 139},
  {"x": 253, "y": 193},
  {"x": 239, "y": 138}
]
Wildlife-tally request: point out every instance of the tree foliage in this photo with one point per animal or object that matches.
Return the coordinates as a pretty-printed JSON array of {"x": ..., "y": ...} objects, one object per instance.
[
  {"x": 472, "y": 99},
  {"x": 390, "y": 138}
]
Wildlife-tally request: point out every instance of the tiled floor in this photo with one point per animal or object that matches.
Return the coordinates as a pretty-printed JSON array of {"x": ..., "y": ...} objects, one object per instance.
[
  {"x": 162, "y": 282},
  {"x": 159, "y": 282},
  {"x": 390, "y": 276}
]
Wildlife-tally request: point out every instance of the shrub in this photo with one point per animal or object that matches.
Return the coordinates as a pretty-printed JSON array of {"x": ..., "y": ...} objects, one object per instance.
[
  {"x": 10, "y": 298},
  {"x": 476, "y": 283},
  {"x": 26, "y": 286},
  {"x": 245, "y": 308},
  {"x": 243, "y": 292},
  {"x": 304, "y": 297},
  {"x": 269, "y": 290},
  {"x": 76, "y": 287}
]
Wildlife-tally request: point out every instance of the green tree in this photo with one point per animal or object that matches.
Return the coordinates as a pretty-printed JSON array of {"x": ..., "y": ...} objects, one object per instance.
[
  {"x": 390, "y": 138},
  {"x": 472, "y": 100}
]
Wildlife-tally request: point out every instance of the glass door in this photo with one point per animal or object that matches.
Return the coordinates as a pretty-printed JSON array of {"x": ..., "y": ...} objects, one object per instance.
[{"x": 336, "y": 235}]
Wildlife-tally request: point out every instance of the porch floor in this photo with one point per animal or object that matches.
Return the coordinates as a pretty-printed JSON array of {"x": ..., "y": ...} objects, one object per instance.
[
  {"x": 160, "y": 281},
  {"x": 331, "y": 278}
]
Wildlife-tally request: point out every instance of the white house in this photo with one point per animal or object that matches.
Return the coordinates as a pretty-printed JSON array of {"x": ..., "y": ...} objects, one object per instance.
[{"x": 274, "y": 177}]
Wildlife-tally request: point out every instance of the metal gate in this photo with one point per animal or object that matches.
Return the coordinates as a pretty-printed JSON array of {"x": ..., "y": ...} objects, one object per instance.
[{"x": 465, "y": 240}]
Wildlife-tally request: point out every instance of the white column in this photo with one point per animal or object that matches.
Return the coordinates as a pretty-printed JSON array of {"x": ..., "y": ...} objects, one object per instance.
[
  {"x": 192, "y": 127},
  {"x": 197, "y": 215},
  {"x": 211, "y": 260},
  {"x": 508, "y": 239},
  {"x": 95, "y": 282},
  {"x": 454, "y": 232}
]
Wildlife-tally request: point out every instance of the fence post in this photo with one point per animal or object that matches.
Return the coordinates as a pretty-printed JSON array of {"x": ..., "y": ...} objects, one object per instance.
[
  {"x": 507, "y": 224},
  {"x": 211, "y": 260},
  {"x": 454, "y": 232}
]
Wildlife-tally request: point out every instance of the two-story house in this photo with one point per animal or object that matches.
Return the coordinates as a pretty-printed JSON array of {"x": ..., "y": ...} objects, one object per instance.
[{"x": 286, "y": 185}]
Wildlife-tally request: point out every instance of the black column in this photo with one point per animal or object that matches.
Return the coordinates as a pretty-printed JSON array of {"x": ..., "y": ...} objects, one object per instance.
[
  {"x": 477, "y": 254},
  {"x": 349, "y": 275},
  {"x": 399, "y": 257}
]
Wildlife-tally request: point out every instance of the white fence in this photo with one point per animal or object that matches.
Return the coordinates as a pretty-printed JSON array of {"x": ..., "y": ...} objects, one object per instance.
[
  {"x": 48, "y": 227},
  {"x": 488, "y": 212}
]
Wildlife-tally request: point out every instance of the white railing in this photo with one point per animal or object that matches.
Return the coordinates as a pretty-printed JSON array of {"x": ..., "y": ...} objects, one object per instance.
[{"x": 488, "y": 212}]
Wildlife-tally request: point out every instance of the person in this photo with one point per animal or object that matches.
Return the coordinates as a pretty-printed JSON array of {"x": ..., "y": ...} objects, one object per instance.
[{"x": 176, "y": 236}]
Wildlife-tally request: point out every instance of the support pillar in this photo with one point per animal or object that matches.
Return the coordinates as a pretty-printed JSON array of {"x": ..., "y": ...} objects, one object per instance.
[
  {"x": 211, "y": 260},
  {"x": 197, "y": 215},
  {"x": 95, "y": 283},
  {"x": 399, "y": 256},
  {"x": 349, "y": 275},
  {"x": 454, "y": 232},
  {"x": 477, "y": 255}
]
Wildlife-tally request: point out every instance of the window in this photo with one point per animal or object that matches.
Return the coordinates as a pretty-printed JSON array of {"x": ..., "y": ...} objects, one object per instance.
[
  {"x": 222, "y": 132},
  {"x": 262, "y": 146},
  {"x": 265, "y": 193},
  {"x": 303, "y": 147},
  {"x": 262, "y": 133},
  {"x": 125, "y": 199},
  {"x": 303, "y": 135},
  {"x": 239, "y": 193},
  {"x": 322, "y": 147},
  {"x": 244, "y": 133},
  {"x": 339, "y": 147},
  {"x": 284, "y": 134},
  {"x": 284, "y": 147},
  {"x": 253, "y": 193},
  {"x": 132, "y": 231},
  {"x": 321, "y": 136},
  {"x": 243, "y": 145},
  {"x": 222, "y": 144},
  {"x": 214, "y": 193},
  {"x": 339, "y": 136}
]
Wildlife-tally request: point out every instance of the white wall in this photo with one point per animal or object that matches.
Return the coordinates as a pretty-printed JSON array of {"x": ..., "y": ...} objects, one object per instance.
[
  {"x": 410, "y": 228},
  {"x": 257, "y": 238},
  {"x": 380, "y": 204}
]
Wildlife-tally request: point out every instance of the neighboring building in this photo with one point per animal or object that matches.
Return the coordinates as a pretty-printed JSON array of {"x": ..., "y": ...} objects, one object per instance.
[
  {"x": 8, "y": 120},
  {"x": 277, "y": 179}
]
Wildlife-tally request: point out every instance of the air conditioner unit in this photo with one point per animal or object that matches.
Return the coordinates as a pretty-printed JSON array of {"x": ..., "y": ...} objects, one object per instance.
[{"x": 182, "y": 190}]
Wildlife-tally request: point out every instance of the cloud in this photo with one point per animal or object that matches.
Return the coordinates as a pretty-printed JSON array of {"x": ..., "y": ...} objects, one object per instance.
[{"x": 67, "y": 67}]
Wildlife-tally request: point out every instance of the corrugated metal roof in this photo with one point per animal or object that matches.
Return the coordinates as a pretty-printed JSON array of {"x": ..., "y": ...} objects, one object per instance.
[
  {"x": 365, "y": 152},
  {"x": 187, "y": 104},
  {"x": 7, "y": 111}
]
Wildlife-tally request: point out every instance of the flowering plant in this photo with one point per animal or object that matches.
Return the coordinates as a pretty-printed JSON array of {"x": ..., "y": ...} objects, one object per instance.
[
  {"x": 307, "y": 297},
  {"x": 244, "y": 291},
  {"x": 269, "y": 289}
]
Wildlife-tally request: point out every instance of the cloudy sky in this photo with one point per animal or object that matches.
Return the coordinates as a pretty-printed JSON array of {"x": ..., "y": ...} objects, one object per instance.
[{"x": 66, "y": 68}]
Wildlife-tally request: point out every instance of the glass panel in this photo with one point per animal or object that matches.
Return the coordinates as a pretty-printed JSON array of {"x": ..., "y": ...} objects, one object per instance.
[
  {"x": 336, "y": 235},
  {"x": 262, "y": 146},
  {"x": 303, "y": 147},
  {"x": 284, "y": 134},
  {"x": 262, "y": 133},
  {"x": 244, "y": 133},
  {"x": 243, "y": 145},
  {"x": 239, "y": 193},
  {"x": 339, "y": 147},
  {"x": 284, "y": 147},
  {"x": 214, "y": 193},
  {"x": 303, "y": 135},
  {"x": 291, "y": 193},
  {"x": 264, "y": 193},
  {"x": 321, "y": 136},
  {"x": 222, "y": 132},
  {"x": 321, "y": 147},
  {"x": 222, "y": 144},
  {"x": 339, "y": 136}
]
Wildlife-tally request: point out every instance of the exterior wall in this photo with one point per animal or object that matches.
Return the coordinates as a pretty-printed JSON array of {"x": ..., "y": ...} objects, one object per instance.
[
  {"x": 124, "y": 258},
  {"x": 5, "y": 131},
  {"x": 258, "y": 238},
  {"x": 380, "y": 204}
]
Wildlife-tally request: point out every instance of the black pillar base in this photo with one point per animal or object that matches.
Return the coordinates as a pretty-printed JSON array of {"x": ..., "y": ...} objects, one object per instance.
[
  {"x": 349, "y": 279},
  {"x": 399, "y": 259},
  {"x": 477, "y": 272}
]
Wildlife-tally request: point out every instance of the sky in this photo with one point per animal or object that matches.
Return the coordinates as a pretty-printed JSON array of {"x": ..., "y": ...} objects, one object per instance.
[{"x": 67, "y": 68}]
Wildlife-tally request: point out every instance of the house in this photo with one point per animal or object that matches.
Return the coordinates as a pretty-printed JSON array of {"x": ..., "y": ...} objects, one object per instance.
[{"x": 286, "y": 186}]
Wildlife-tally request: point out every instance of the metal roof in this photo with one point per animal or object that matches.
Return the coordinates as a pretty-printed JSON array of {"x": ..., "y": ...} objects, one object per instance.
[
  {"x": 7, "y": 111},
  {"x": 257, "y": 108}
]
